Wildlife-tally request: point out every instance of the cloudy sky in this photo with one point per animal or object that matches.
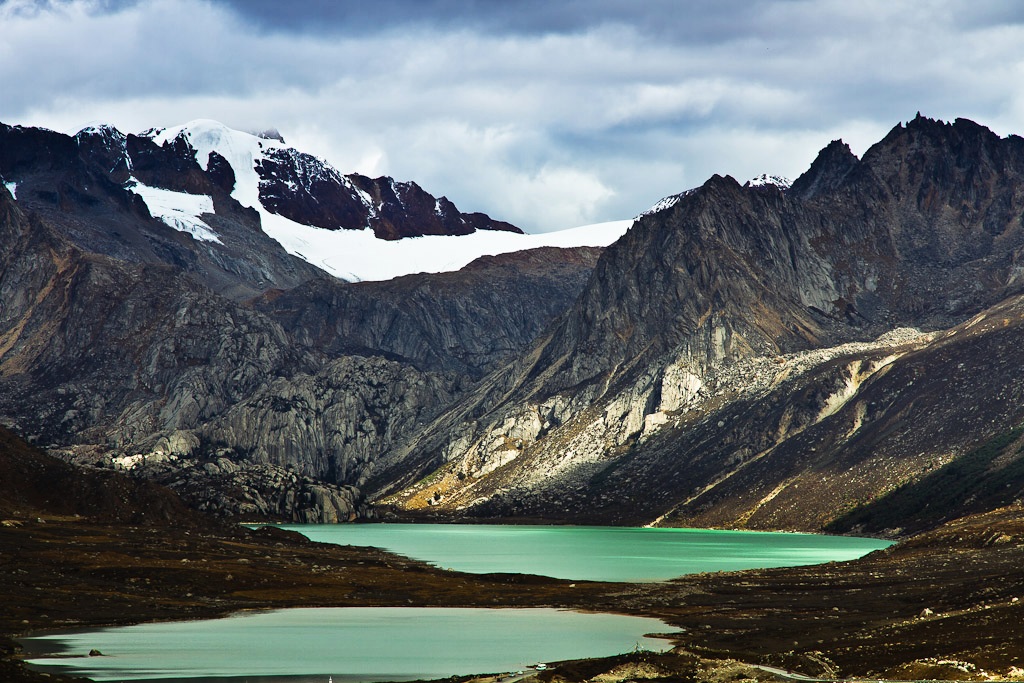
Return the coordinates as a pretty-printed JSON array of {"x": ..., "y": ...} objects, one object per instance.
[{"x": 545, "y": 113}]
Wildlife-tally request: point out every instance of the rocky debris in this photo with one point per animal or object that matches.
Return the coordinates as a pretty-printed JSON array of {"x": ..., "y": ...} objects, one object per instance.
[
  {"x": 792, "y": 442},
  {"x": 568, "y": 462},
  {"x": 224, "y": 486}
]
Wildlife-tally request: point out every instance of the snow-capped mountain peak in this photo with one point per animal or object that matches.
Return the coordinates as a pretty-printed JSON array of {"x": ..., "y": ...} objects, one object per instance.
[
  {"x": 766, "y": 179},
  {"x": 241, "y": 150},
  {"x": 102, "y": 130},
  {"x": 352, "y": 226},
  {"x": 667, "y": 203}
]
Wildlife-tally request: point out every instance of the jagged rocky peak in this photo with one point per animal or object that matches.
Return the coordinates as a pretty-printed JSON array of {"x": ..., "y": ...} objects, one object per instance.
[
  {"x": 721, "y": 249},
  {"x": 958, "y": 165},
  {"x": 404, "y": 209},
  {"x": 106, "y": 145},
  {"x": 950, "y": 163},
  {"x": 110, "y": 135},
  {"x": 827, "y": 172}
]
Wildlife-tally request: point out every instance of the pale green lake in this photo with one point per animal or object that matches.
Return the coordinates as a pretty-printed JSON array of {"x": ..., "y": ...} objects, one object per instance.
[
  {"x": 593, "y": 553},
  {"x": 348, "y": 644},
  {"x": 378, "y": 644}
]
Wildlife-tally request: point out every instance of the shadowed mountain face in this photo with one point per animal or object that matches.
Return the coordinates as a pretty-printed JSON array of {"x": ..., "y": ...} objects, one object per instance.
[{"x": 466, "y": 322}]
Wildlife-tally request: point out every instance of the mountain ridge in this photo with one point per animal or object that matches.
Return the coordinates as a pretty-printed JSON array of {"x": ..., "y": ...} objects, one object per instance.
[
  {"x": 265, "y": 198},
  {"x": 725, "y": 276}
]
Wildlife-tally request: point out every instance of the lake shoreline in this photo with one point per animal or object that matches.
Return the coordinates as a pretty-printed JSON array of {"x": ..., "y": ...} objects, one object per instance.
[{"x": 389, "y": 515}]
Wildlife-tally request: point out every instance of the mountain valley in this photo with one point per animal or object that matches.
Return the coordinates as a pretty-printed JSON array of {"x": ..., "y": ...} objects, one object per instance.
[{"x": 839, "y": 354}]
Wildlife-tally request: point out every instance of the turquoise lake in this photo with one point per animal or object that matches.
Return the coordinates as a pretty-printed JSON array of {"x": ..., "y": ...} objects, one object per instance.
[
  {"x": 593, "y": 553},
  {"x": 391, "y": 644}
]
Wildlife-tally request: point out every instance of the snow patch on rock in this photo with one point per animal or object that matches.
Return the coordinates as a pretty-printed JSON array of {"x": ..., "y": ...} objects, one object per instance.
[
  {"x": 179, "y": 210},
  {"x": 667, "y": 203}
]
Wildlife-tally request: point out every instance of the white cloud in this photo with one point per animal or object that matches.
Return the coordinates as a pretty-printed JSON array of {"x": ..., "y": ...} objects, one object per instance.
[{"x": 588, "y": 117}]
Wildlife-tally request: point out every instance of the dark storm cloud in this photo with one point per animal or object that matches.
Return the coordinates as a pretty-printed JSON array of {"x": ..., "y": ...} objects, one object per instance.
[{"x": 695, "y": 21}]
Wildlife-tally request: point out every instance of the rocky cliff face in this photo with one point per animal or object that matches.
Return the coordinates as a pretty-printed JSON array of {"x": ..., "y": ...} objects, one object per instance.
[
  {"x": 698, "y": 350},
  {"x": 223, "y": 485},
  {"x": 304, "y": 189},
  {"x": 333, "y": 424},
  {"x": 98, "y": 350}
]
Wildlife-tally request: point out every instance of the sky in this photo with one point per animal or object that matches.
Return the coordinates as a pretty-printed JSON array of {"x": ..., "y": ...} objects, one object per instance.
[{"x": 544, "y": 113}]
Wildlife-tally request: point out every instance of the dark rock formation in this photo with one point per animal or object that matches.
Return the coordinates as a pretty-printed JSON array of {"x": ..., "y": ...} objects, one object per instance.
[
  {"x": 335, "y": 423},
  {"x": 224, "y": 484}
]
